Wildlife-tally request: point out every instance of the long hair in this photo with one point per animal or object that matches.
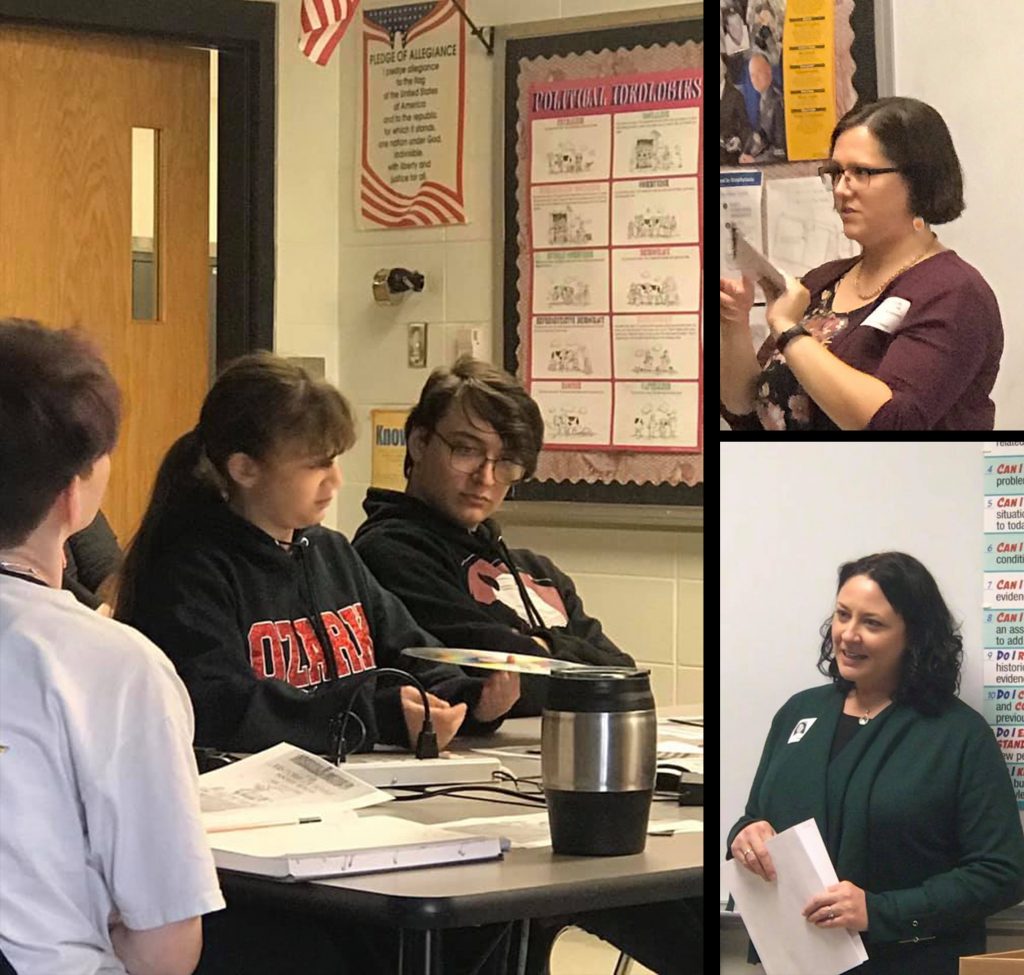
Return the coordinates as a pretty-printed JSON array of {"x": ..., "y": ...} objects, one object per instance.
[
  {"x": 259, "y": 403},
  {"x": 930, "y": 666}
]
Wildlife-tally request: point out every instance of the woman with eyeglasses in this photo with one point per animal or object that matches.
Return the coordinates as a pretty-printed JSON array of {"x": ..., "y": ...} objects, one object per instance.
[{"x": 905, "y": 336}]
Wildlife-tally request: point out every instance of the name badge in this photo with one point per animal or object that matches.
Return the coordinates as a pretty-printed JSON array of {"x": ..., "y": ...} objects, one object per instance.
[
  {"x": 889, "y": 315},
  {"x": 801, "y": 729}
]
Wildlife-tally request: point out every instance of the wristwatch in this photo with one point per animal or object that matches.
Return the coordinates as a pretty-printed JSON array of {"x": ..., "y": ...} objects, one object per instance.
[{"x": 787, "y": 336}]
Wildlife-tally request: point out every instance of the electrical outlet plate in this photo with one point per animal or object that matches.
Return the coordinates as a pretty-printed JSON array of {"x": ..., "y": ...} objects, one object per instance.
[{"x": 416, "y": 349}]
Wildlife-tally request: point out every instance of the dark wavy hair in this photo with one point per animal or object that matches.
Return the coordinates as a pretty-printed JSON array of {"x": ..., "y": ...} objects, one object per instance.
[{"x": 930, "y": 673}]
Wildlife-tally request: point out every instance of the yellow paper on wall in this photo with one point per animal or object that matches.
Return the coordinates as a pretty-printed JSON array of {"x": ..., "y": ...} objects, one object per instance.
[
  {"x": 808, "y": 76},
  {"x": 388, "y": 451}
]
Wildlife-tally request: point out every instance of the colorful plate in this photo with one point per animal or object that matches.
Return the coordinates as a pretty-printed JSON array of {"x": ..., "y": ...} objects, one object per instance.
[{"x": 492, "y": 660}]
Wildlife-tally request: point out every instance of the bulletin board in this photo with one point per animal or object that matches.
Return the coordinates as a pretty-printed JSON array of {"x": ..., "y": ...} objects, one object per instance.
[
  {"x": 775, "y": 196},
  {"x": 602, "y": 256}
]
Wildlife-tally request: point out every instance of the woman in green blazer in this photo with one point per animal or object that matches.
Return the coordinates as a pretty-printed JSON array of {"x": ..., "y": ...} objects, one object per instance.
[{"x": 905, "y": 781}]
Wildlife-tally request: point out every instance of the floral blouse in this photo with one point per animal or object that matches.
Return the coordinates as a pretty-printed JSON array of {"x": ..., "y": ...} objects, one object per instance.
[
  {"x": 940, "y": 362},
  {"x": 781, "y": 402}
]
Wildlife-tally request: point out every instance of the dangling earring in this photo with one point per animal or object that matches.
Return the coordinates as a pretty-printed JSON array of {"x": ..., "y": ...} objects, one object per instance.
[{"x": 918, "y": 224}]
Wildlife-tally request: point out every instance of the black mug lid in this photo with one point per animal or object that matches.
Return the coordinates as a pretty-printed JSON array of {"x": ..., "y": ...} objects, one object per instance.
[{"x": 600, "y": 689}]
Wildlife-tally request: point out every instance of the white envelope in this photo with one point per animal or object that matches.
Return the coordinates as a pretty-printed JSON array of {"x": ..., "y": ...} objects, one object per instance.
[
  {"x": 889, "y": 315},
  {"x": 787, "y": 943}
]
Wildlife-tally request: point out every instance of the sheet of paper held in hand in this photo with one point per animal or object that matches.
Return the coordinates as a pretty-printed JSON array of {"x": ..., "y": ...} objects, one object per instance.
[
  {"x": 772, "y": 912},
  {"x": 277, "y": 783},
  {"x": 756, "y": 266}
]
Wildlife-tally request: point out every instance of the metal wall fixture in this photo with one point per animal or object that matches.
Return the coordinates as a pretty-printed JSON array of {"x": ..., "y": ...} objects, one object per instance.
[{"x": 391, "y": 285}]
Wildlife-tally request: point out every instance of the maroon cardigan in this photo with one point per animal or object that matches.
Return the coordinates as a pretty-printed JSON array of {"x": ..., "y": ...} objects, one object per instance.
[{"x": 942, "y": 362}]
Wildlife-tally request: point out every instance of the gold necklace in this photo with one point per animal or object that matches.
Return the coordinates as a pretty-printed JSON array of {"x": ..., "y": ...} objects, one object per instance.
[
  {"x": 866, "y": 717},
  {"x": 906, "y": 267}
]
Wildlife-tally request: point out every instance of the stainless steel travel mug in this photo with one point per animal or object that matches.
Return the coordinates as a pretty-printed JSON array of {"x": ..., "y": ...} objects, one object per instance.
[{"x": 598, "y": 757}]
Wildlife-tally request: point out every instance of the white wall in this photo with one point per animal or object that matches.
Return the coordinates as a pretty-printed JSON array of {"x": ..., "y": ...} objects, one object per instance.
[
  {"x": 963, "y": 65},
  {"x": 645, "y": 585}
]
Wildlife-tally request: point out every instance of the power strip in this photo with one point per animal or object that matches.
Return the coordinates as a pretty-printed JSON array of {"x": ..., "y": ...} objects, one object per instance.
[{"x": 407, "y": 770}]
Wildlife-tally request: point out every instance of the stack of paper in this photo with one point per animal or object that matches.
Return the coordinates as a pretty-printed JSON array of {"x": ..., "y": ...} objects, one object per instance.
[
  {"x": 288, "y": 814},
  {"x": 772, "y": 912},
  {"x": 281, "y": 783}
]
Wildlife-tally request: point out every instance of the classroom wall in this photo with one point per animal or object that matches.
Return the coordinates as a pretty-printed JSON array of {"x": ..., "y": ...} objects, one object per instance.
[
  {"x": 645, "y": 585},
  {"x": 948, "y": 56}
]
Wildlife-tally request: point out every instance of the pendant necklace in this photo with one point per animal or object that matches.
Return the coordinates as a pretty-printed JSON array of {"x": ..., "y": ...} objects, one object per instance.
[{"x": 866, "y": 716}]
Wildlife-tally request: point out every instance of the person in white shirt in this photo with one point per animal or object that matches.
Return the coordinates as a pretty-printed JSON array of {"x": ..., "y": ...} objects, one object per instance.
[{"x": 104, "y": 865}]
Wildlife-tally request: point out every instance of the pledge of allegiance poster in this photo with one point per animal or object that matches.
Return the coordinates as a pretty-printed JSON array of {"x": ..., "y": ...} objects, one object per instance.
[
  {"x": 615, "y": 234},
  {"x": 413, "y": 100}
]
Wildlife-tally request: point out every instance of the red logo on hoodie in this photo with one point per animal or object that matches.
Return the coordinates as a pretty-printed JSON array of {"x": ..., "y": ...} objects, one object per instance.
[
  {"x": 494, "y": 583},
  {"x": 289, "y": 650}
]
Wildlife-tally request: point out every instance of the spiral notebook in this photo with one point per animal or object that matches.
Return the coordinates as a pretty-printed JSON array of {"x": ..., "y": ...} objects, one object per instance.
[{"x": 347, "y": 844}]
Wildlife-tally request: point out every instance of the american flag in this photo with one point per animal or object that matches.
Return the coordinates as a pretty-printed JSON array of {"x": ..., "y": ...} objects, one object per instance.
[{"x": 323, "y": 24}]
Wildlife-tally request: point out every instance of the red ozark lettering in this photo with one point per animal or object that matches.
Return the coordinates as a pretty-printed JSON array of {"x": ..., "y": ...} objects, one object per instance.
[
  {"x": 362, "y": 654},
  {"x": 264, "y": 645},
  {"x": 289, "y": 649}
]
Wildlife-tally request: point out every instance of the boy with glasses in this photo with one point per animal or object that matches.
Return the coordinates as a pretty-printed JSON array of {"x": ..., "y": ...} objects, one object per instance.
[{"x": 475, "y": 432}]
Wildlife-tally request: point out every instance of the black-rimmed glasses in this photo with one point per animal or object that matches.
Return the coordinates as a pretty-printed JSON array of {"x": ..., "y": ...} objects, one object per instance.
[
  {"x": 469, "y": 459},
  {"x": 857, "y": 177}
]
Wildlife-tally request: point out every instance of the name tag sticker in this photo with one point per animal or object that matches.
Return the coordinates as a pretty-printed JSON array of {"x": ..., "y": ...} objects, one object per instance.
[
  {"x": 801, "y": 729},
  {"x": 889, "y": 315}
]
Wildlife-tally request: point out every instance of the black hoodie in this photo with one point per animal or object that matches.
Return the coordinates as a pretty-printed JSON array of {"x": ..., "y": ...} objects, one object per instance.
[
  {"x": 245, "y": 623},
  {"x": 458, "y": 585}
]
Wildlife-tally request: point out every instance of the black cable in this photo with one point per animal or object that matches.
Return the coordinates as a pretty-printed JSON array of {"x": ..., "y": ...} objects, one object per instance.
[
  {"x": 426, "y": 742},
  {"x": 426, "y": 792}
]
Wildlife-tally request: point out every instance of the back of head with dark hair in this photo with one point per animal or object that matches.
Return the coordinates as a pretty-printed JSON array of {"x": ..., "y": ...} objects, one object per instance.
[
  {"x": 486, "y": 393},
  {"x": 915, "y": 138},
  {"x": 260, "y": 405},
  {"x": 60, "y": 410},
  {"x": 930, "y": 672}
]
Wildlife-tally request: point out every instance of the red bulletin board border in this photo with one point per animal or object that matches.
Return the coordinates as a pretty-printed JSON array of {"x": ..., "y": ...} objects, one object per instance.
[{"x": 596, "y": 473}]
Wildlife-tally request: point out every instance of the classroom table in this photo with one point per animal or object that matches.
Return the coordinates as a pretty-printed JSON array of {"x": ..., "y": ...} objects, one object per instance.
[{"x": 525, "y": 884}]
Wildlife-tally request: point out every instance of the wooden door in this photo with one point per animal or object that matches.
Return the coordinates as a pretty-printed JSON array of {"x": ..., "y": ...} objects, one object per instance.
[{"x": 68, "y": 103}]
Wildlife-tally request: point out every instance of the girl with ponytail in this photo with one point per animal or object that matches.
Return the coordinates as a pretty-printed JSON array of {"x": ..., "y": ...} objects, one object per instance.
[{"x": 268, "y": 616}]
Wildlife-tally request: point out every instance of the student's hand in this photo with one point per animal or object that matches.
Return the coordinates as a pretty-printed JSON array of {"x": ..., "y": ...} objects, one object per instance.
[
  {"x": 843, "y": 905},
  {"x": 736, "y": 298},
  {"x": 541, "y": 642},
  {"x": 446, "y": 718},
  {"x": 789, "y": 308},
  {"x": 748, "y": 848},
  {"x": 500, "y": 692}
]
